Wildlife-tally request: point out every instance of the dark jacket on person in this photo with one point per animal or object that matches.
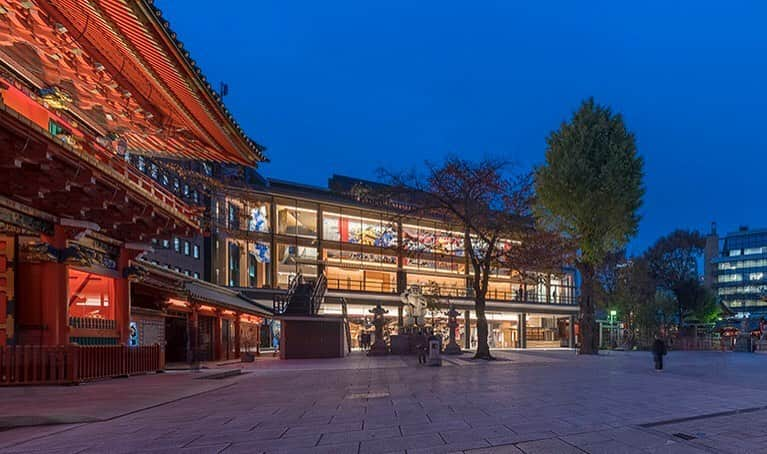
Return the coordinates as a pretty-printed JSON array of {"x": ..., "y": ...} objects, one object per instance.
[{"x": 659, "y": 348}]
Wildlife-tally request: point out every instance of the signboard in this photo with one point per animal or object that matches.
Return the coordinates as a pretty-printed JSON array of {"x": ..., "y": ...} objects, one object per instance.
[{"x": 133, "y": 338}]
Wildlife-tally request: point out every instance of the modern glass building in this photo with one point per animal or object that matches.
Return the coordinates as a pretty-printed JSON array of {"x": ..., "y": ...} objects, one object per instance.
[
  {"x": 268, "y": 233},
  {"x": 739, "y": 271}
]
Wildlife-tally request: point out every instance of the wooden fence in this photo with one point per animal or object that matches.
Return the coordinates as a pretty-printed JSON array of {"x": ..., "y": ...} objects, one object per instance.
[{"x": 67, "y": 364}]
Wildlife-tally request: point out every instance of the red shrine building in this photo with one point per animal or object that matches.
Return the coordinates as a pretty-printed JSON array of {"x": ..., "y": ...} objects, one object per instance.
[{"x": 83, "y": 85}]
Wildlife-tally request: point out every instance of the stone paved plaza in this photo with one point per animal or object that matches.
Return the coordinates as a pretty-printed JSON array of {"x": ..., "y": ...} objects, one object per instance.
[{"x": 531, "y": 402}]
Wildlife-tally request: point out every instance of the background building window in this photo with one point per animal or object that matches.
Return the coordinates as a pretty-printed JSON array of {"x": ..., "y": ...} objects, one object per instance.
[
  {"x": 296, "y": 221},
  {"x": 196, "y": 251},
  {"x": 234, "y": 217},
  {"x": 187, "y": 248},
  {"x": 234, "y": 265},
  {"x": 176, "y": 244}
]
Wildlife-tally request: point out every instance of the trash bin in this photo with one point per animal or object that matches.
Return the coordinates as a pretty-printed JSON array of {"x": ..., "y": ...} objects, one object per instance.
[{"x": 434, "y": 358}]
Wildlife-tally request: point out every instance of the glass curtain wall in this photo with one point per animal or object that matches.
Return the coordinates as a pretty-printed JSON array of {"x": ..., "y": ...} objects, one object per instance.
[
  {"x": 360, "y": 251},
  {"x": 297, "y": 238}
]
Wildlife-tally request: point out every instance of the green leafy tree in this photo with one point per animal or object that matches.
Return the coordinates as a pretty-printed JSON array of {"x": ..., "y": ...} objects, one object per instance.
[{"x": 590, "y": 189}]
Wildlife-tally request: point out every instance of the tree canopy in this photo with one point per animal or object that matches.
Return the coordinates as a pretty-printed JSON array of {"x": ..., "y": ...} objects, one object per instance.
[{"x": 590, "y": 190}]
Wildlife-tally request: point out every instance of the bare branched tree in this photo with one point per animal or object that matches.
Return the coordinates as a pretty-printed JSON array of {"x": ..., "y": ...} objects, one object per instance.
[{"x": 481, "y": 199}]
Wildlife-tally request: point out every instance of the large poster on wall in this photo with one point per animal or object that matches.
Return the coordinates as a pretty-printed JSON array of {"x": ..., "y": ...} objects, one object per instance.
[
  {"x": 262, "y": 252},
  {"x": 258, "y": 221},
  {"x": 415, "y": 239}
]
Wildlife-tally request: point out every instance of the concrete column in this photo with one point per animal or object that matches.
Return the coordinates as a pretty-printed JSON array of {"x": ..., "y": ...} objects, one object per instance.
[
  {"x": 194, "y": 338},
  {"x": 467, "y": 329},
  {"x": 571, "y": 331},
  {"x": 522, "y": 322},
  {"x": 218, "y": 353},
  {"x": 237, "y": 335}
]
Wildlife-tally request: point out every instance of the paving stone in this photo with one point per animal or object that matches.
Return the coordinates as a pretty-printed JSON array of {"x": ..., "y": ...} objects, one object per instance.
[
  {"x": 538, "y": 398},
  {"x": 477, "y": 433},
  {"x": 548, "y": 446},
  {"x": 401, "y": 444},
  {"x": 360, "y": 435},
  {"x": 505, "y": 449}
]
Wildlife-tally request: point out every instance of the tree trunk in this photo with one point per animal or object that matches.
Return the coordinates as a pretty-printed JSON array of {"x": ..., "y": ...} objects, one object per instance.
[
  {"x": 588, "y": 323},
  {"x": 483, "y": 347}
]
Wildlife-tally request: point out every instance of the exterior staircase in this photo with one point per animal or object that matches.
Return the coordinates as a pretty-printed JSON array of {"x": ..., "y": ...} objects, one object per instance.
[{"x": 303, "y": 298}]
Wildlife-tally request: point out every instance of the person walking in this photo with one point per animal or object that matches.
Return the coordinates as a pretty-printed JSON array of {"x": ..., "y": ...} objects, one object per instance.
[
  {"x": 422, "y": 349},
  {"x": 658, "y": 352}
]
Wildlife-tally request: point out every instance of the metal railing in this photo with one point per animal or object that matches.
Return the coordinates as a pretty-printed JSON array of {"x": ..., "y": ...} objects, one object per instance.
[
  {"x": 92, "y": 323},
  {"x": 280, "y": 301},
  {"x": 361, "y": 286},
  {"x": 517, "y": 296},
  {"x": 318, "y": 293}
]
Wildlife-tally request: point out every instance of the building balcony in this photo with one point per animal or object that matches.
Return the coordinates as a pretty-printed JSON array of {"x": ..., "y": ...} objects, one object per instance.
[{"x": 358, "y": 286}]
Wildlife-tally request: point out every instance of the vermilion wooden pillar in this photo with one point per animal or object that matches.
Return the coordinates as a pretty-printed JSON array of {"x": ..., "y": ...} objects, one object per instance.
[{"x": 42, "y": 297}]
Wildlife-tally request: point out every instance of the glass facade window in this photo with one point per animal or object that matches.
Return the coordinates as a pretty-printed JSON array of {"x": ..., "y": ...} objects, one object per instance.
[
  {"x": 252, "y": 270},
  {"x": 356, "y": 258},
  {"x": 361, "y": 280},
  {"x": 296, "y": 221},
  {"x": 448, "y": 286},
  {"x": 452, "y": 265},
  {"x": 233, "y": 217},
  {"x": 234, "y": 265},
  {"x": 258, "y": 220},
  {"x": 352, "y": 229},
  {"x": 740, "y": 264},
  {"x": 294, "y": 258},
  {"x": 418, "y": 238}
]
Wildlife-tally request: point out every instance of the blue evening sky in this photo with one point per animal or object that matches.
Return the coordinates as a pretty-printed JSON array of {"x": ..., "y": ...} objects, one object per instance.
[{"x": 350, "y": 86}]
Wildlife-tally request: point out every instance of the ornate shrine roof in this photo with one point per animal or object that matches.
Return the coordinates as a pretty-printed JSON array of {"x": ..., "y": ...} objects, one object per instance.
[{"x": 114, "y": 68}]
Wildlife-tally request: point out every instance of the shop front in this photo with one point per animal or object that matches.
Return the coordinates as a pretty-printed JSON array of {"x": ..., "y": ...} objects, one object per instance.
[
  {"x": 195, "y": 320},
  {"x": 508, "y": 328}
]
